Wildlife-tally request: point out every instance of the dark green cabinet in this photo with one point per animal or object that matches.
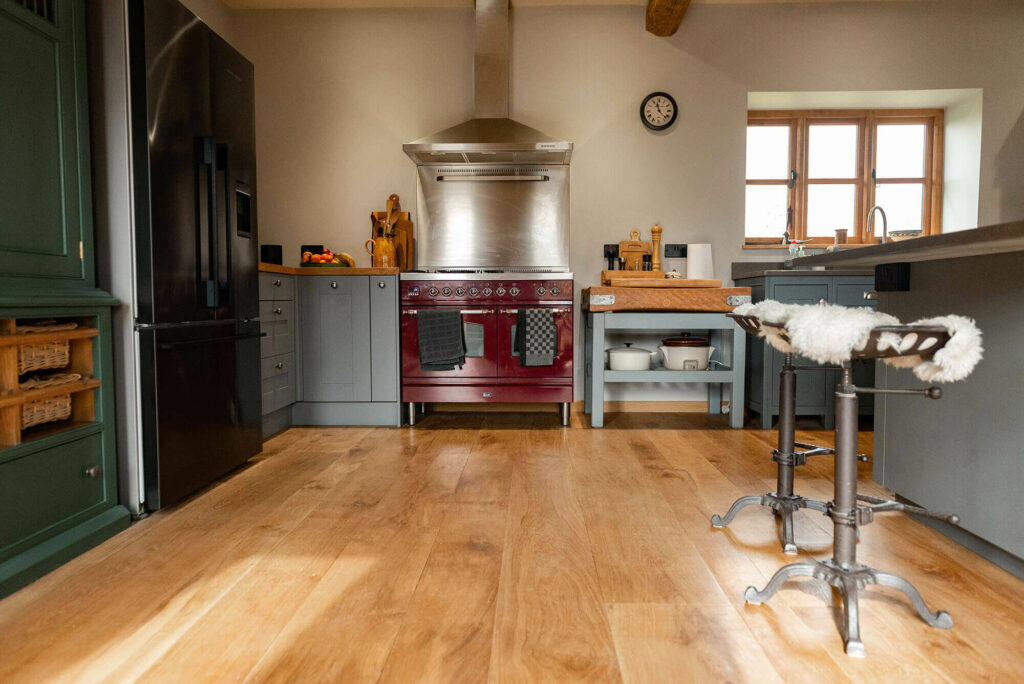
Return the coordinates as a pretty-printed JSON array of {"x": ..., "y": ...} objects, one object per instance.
[
  {"x": 815, "y": 389},
  {"x": 45, "y": 203},
  {"x": 58, "y": 478}
]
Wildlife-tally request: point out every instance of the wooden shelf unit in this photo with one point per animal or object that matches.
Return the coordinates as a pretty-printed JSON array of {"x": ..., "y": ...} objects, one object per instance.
[{"x": 12, "y": 398}]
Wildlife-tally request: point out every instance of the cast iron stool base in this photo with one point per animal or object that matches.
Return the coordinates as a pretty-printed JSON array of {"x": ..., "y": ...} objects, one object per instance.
[
  {"x": 783, "y": 501},
  {"x": 783, "y": 506},
  {"x": 849, "y": 581}
]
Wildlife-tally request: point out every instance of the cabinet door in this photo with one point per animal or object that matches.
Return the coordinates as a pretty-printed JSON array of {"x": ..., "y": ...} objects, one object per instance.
[
  {"x": 336, "y": 343},
  {"x": 46, "y": 217},
  {"x": 384, "y": 337},
  {"x": 813, "y": 388}
]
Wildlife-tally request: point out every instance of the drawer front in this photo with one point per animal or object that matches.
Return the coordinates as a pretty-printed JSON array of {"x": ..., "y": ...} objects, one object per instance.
[
  {"x": 276, "y": 287},
  {"x": 273, "y": 366},
  {"x": 852, "y": 294},
  {"x": 49, "y": 487},
  {"x": 278, "y": 382},
  {"x": 277, "y": 320},
  {"x": 804, "y": 293}
]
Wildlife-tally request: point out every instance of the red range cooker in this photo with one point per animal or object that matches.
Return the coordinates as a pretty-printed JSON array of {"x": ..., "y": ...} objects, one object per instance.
[{"x": 489, "y": 304}]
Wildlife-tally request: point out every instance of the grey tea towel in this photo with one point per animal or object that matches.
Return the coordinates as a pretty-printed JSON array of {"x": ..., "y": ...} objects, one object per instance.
[
  {"x": 440, "y": 339},
  {"x": 536, "y": 337}
]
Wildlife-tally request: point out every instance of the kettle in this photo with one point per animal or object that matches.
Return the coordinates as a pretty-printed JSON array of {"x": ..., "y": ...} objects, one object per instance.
[{"x": 382, "y": 249}]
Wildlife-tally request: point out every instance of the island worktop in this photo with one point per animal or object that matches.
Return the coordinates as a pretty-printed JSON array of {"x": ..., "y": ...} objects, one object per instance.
[
  {"x": 998, "y": 239},
  {"x": 963, "y": 454}
]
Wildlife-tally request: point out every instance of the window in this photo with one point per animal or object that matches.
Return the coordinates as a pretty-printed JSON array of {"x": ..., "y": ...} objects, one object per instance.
[{"x": 812, "y": 172}]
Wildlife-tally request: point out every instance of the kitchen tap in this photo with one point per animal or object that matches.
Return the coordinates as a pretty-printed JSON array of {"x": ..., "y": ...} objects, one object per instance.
[{"x": 885, "y": 222}]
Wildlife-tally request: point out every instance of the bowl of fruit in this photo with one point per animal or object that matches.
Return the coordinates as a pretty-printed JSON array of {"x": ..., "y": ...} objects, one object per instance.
[{"x": 328, "y": 258}]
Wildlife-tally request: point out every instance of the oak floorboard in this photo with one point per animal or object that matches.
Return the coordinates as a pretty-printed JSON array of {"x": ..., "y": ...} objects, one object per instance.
[
  {"x": 550, "y": 623},
  {"x": 500, "y": 546}
]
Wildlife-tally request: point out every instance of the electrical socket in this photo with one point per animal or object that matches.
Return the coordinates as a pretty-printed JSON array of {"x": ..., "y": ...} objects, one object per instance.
[
  {"x": 611, "y": 251},
  {"x": 675, "y": 251}
]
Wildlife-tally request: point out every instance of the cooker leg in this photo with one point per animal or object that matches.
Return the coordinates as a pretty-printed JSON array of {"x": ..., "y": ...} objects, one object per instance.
[
  {"x": 411, "y": 410},
  {"x": 565, "y": 413}
]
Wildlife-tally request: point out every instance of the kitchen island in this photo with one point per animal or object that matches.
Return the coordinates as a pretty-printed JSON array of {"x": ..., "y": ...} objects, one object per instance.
[{"x": 965, "y": 453}]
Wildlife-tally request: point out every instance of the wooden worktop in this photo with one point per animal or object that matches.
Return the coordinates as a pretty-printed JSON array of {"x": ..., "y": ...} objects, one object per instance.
[{"x": 326, "y": 270}]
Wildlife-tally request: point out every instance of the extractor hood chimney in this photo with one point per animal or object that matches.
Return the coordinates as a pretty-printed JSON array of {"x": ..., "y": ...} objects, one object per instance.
[{"x": 490, "y": 137}]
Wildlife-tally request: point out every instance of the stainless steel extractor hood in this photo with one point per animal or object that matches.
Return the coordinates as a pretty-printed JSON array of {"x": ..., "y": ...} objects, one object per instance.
[{"x": 490, "y": 137}]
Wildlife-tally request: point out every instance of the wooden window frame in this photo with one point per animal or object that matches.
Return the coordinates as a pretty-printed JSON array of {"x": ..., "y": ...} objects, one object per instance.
[{"x": 867, "y": 121}]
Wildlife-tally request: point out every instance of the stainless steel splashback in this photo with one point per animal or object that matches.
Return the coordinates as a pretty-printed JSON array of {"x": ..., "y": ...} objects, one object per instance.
[{"x": 509, "y": 217}]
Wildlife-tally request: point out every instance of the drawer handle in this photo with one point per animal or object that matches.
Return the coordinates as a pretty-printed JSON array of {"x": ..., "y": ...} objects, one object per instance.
[
  {"x": 822, "y": 301},
  {"x": 870, "y": 295},
  {"x": 277, "y": 310},
  {"x": 334, "y": 284},
  {"x": 93, "y": 472},
  {"x": 381, "y": 284},
  {"x": 277, "y": 283},
  {"x": 279, "y": 365}
]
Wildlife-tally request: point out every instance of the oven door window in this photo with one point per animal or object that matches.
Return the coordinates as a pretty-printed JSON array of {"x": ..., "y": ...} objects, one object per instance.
[
  {"x": 474, "y": 335},
  {"x": 480, "y": 334}
]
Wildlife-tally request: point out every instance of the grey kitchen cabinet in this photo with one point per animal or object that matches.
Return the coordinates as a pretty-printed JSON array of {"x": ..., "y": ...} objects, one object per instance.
[
  {"x": 815, "y": 389},
  {"x": 336, "y": 353},
  {"x": 384, "y": 341},
  {"x": 278, "y": 373},
  {"x": 348, "y": 350}
]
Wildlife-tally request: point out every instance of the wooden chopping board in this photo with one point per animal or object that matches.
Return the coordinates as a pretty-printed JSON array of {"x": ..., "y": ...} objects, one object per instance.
[
  {"x": 711, "y": 299},
  {"x": 663, "y": 282}
]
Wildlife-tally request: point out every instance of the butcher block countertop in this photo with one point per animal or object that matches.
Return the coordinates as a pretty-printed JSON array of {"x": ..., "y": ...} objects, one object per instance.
[
  {"x": 326, "y": 270},
  {"x": 705, "y": 299}
]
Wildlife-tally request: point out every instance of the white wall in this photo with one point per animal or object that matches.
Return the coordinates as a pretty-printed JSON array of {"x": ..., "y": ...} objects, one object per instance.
[{"x": 339, "y": 91}]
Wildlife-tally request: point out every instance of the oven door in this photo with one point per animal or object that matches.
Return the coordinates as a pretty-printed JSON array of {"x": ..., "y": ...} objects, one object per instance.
[
  {"x": 479, "y": 328},
  {"x": 508, "y": 358}
]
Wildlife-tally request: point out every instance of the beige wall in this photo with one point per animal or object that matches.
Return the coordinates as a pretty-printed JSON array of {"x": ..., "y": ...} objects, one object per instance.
[{"x": 339, "y": 91}]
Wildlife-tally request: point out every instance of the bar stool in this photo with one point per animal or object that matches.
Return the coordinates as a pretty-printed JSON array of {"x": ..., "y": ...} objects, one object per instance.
[
  {"x": 903, "y": 345},
  {"x": 789, "y": 454}
]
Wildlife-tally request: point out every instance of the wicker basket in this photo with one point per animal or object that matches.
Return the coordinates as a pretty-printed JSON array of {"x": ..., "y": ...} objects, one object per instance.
[
  {"x": 43, "y": 355},
  {"x": 46, "y": 410}
]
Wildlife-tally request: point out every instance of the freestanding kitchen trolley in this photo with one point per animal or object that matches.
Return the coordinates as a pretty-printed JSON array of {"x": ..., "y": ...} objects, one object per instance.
[{"x": 719, "y": 326}]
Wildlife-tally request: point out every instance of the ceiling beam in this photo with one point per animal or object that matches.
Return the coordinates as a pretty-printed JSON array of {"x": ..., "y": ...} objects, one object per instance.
[{"x": 664, "y": 16}]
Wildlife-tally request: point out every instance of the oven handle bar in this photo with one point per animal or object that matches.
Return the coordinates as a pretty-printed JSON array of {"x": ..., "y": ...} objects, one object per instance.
[
  {"x": 464, "y": 312},
  {"x": 515, "y": 311}
]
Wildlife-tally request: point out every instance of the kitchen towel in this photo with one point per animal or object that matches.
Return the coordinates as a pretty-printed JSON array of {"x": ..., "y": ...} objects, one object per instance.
[
  {"x": 442, "y": 346},
  {"x": 536, "y": 337}
]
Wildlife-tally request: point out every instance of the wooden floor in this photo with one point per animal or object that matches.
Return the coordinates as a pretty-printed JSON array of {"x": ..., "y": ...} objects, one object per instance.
[{"x": 501, "y": 547}]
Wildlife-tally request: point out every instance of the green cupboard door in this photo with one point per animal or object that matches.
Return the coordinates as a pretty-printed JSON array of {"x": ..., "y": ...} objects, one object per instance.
[{"x": 45, "y": 211}]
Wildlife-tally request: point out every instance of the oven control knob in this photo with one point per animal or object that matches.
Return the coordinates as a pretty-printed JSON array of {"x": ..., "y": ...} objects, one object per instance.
[
  {"x": 473, "y": 292},
  {"x": 500, "y": 291},
  {"x": 554, "y": 290},
  {"x": 541, "y": 291},
  {"x": 432, "y": 292},
  {"x": 446, "y": 291},
  {"x": 514, "y": 291},
  {"x": 487, "y": 292},
  {"x": 460, "y": 291}
]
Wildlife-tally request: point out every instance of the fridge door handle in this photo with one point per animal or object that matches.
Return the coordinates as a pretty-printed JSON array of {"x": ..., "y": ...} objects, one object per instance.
[
  {"x": 207, "y": 278},
  {"x": 224, "y": 287}
]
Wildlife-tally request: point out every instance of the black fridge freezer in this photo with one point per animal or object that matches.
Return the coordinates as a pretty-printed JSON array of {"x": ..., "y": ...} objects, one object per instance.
[{"x": 197, "y": 308}]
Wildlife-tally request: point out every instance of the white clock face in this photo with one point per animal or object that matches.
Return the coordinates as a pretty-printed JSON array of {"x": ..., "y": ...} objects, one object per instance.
[{"x": 659, "y": 110}]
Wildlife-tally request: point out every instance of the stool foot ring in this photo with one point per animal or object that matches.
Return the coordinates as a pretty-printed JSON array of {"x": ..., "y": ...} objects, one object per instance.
[
  {"x": 849, "y": 581},
  {"x": 784, "y": 507}
]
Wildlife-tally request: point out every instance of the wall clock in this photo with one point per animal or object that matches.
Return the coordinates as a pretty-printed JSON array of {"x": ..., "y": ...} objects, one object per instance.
[{"x": 658, "y": 111}]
